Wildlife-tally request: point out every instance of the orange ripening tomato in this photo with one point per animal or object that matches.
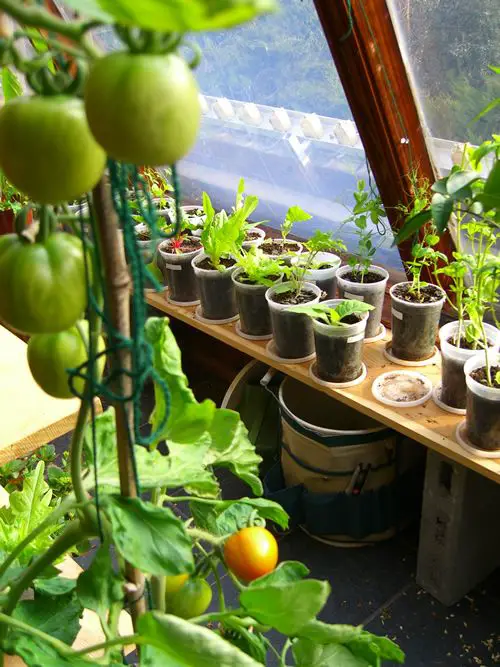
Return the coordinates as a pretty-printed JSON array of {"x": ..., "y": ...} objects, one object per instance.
[{"x": 251, "y": 553}]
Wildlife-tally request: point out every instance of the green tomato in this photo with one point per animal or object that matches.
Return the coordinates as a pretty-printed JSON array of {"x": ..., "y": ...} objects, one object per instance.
[
  {"x": 47, "y": 150},
  {"x": 50, "y": 355},
  {"x": 190, "y": 600},
  {"x": 143, "y": 108},
  {"x": 42, "y": 285}
]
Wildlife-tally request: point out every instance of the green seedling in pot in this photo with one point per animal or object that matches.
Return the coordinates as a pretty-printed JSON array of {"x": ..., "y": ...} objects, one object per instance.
[
  {"x": 423, "y": 254},
  {"x": 334, "y": 316},
  {"x": 293, "y": 215},
  {"x": 223, "y": 235},
  {"x": 367, "y": 210},
  {"x": 259, "y": 268},
  {"x": 240, "y": 199}
]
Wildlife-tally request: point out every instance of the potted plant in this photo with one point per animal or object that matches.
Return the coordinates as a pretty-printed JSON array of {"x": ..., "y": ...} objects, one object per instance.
[
  {"x": 360, "y": 279},
  {"x": 282, "y": 248},
  {"x": 254, "y": 275},
  {"x": 221, "y": 238},
  {"x": 292, "y": 332},
  {"x": 176, "y": 255},
  {"x": 482, "y": 422},
  {"x": 254, "y": 236},
  {"x": 339, "y": 330},
  {"x": 322, "y": 261}
]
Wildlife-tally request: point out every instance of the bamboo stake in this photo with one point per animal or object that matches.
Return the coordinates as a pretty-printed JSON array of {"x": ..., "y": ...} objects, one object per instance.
[{"x": 118, "y": 288}]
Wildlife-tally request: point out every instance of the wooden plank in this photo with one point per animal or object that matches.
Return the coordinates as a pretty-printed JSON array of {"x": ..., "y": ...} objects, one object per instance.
[
  {"x": 29, "y": 417},
  {"x": 426, "y": 424}
]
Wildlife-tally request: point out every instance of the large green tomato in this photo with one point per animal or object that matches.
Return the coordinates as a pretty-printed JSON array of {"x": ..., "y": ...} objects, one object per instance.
[
  {"x": 42, "y": 285},
  {"x": 143, "y": 108},
  {"x": 47, "y": 150},
  {"x": 50, "y": 355},
  {"x": 190, "y": 600}
]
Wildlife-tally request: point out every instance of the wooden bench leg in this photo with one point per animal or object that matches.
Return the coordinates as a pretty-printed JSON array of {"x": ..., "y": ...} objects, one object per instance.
[{"x": 459, "y": 541}]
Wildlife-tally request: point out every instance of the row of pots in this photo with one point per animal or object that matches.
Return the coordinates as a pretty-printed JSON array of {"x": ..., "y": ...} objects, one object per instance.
[{"x": 224, "y": 297}]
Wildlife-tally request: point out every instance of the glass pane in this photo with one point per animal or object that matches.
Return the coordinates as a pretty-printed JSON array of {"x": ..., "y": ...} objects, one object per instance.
[
  {"x": 274, "y": 112},
  {"x": 449, "y": 45}
]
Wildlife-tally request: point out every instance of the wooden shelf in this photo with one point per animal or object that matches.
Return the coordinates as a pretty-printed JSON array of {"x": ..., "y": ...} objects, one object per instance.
[{"x": 427, "y": 424}]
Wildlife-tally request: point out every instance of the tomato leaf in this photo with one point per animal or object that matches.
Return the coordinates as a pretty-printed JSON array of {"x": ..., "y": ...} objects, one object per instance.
[
  {"x": 412, "y": 225},
  {"x": 57, "y": 616},
  {"x": 188, "y": 419},
  {"x": 458, "y": 183},
  {"x": 99, "y": 586},
  {"x": 287, "y": 607},
  {"x": 54, "y": 587},
  {"x": 178, "y": 643},
  {"x": 37, "y": 653},
  {"x": 286, "y": 572},
  {"x": 441, "y": 208},
  {"x": 309, "y": 654},
  {"x": 151, "y": 538},
  {"x": 231, "y": 448},
  {"x": 11, "y": 86},
  {"x": 228, "y": 516},
  {"x": 490, "y": 197},
  {"x": 249, "y": 642}
]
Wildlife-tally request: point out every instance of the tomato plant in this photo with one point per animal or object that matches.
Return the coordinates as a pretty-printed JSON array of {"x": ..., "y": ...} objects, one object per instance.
[
  {"x": 47, "y": 150},
  {"x": 191, "y": 599},
  {"x": 143, "y": 108},
  {"x": 42, "y": 284},
  {"x": 50, "y": 355},
  {"x": 251, "y": 552}
]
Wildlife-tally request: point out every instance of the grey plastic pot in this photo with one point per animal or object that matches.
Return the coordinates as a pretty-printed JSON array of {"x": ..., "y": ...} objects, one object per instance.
[
  {"x": 414, "y": 326},
  {"x": 255, "y": 319},
  {"x": 292, "y": 332},
  {"x": 257, "y": 241},
  {"x": 179, "y": 274},
  {"x": 372, "y": 293},
  {"x": 325, "y": 279},
  {"x": 483, "y": 406},
  {"x": 339, "y": 350},
  {"x": 216, "y": 290}
]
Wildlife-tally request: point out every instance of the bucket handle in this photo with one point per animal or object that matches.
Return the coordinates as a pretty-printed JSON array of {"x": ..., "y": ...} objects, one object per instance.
[{"x": 271, "y": 381}]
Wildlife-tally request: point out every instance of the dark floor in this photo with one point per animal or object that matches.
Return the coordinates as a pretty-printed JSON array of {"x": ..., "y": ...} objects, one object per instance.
[{"x": 375, "y": 587}]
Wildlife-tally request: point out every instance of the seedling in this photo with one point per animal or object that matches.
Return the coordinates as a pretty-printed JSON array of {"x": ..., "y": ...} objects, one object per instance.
[
  {"x": 334, "y": 316},
  {"x": 368, "y": 209},
  {"x": 293, "y": 215},
  {"x": 259, "y": 267},
  {"x": 423, "y": 254}
]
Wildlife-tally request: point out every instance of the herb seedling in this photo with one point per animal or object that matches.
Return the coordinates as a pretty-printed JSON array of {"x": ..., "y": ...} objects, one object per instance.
[
  {"x": 259, "y": 268},
  {"x": 293, "y": 215},
  {"x": 240, "y": 199},
  {"x": 423, "y": 254},
  {"x": 367, "y": 210},
  {"x": 334, "y": 316}
]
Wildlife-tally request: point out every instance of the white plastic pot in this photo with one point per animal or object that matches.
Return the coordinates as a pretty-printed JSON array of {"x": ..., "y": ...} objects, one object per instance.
[
  {"x": 179, "y": 274},
  {"x": 325, "y": 279},
  {"x": 483, "y": 406},
  {"x": 258, "y": 240},
  {"x": 372, "y": 293},
  {"x": 453, "y": 385}
]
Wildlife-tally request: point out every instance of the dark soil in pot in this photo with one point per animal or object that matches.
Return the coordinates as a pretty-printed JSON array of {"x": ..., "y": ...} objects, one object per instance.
[
  {"x": 255, "y": 319},
  {"x": 252, "y": 235},
  {"x": 292, "y": 332},
  {"x": 216, "y": 290},
  {"x": 415, "y": 323},
  {"x": 277, "y": 247},
  {"x": 338, "y": 360},
  {"x": 178, "y": 271},
  {"x": 483, "y": 414},
  {"x": 368, "y": 278}
]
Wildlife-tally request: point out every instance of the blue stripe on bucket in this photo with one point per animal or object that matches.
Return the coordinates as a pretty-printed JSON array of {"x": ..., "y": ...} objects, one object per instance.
[{"x": 339, "y": 440}]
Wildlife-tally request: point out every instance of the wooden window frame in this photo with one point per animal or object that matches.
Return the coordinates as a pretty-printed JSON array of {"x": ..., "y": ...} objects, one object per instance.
[{"x": 369, "y": 62}]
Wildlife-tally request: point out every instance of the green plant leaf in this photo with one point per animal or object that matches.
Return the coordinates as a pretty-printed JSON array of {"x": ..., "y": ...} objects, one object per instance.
[
  {"x": 373, "y": 649},
  {"x": 57, "y": 616},
  {"x": 231, "y": 448},
  {"x": 174, "y": 15},
  {"x": 228, "y": 516},
  {"x": 151, "y": 538},
  {"x": 178, "y": 643},
  {"x": 287, "y": 572},
  {"x": 100, "y": 586},
  {"x": 28, "y": 508},
  {"x": 11, "y": 86},
  {"x": 309, "y": 654},
  {"x": 323, "y": 633},
  {"x": 490, "y": 197},
  {"x": 351, "y": 307},
  {"x": 37, "y": 653},
  {"x": 54, "y": 587},
  {"x": 286, "y": 607},
  {"x": 441, "y": 208},
  {"x": 457, "y": 184},
  {"x": 487, "y": 109},
  {"x": 247, "y": 641},
  {"x": 188, "y": 419},
  {"x": 412, "y": 225}
]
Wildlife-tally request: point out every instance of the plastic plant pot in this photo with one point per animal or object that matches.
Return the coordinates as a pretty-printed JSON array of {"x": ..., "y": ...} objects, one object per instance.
[
  {"x": 325, "y": 278},
  {"x": 483, "y": 405},
  {"x": 292, "y": 332},
  {"x": 146, "y": 246},
  {"x": 179, "y": 273},
  {"x": 215, "y": 289},
  {"x": 453, "y": 358},
  {"x": 339, "y": 350},
  {"x": 372, "y": 293},
  {"x": 414, "y": 326},
  {"x": 287, "y": 256},
  {"x": 255, "y": 319},
  {"x": 257, "y": 237}
]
